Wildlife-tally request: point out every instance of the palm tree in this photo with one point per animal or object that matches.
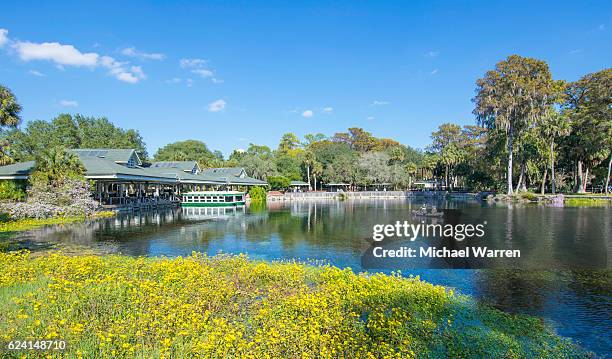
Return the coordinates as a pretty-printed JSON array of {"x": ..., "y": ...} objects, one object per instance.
[
  {"x": 554, "y": 125},
  {"x": 317, "y": 170},
  {"x": 56, "y": 164},
  {"x": 411, "y": 169},
  {"x": 9, "y": 117}
]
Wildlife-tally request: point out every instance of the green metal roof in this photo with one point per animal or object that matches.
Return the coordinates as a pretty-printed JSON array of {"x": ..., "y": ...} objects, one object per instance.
[
  {"x": 99, "y": 166},
  {"x": 224, "y": 171},
  {"x": 113, "y": 154},
  {"x": 17, "y": 170},
  {"x": 181, "y": 165},
  {"x": 298, "y": 183}
]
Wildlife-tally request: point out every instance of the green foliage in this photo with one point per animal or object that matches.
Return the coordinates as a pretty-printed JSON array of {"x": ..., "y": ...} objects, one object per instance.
[
  {"x": 189, "y": 150},
  {"x": 278, "y": 182},
  {"x": 70, "y": 131},
  {"x": 54, "y": 166},
  {"x": 11, "y": 190},
  {"x": 257, "y": 195},
  {"x": 9, "y": 108}
]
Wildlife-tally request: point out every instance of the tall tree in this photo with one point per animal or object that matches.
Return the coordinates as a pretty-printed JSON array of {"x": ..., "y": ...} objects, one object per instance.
[
  {"x": 9, "y": 117},
  {"x": 589, "y": 106},
  {"x": 189, "y": 150},
  {"x": 511, "y": 98}
]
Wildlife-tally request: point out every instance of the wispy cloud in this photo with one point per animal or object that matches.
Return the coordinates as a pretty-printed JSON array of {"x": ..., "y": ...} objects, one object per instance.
[
  {"x": 199, "y": 67},
  {"x": 433, "y": 72},
  {"x": 217, "y": 81},
  {"x": 432, "y": 53},
  {"x": 67, "y": 55},
  {"x": 202, "y": 72},
  {"x": 69, "y": 103},
  {"x": 132, "y": 52},
  {"x": 36, "y": 73},
  {"x": 370, "y": 118},
  {"x": 328, "y": 109},
  {"x": 601, "y": 27},
  {"x": 189, "y": 82},
  {"x": 120, "y": 71},
  {"x": 216, "y": 106},
  {"x": 307, "y": 114},
  {"x": 3, "y": 37},
  {"x": 174, "y": 80},
  {"x": 380, "y": 103},
  {"x": 191, "y": 63},
  {"x": 575, "y": 51}
]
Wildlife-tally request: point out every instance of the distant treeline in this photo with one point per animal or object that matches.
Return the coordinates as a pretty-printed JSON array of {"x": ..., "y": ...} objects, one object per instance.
[{"x": 530, "y": 132}]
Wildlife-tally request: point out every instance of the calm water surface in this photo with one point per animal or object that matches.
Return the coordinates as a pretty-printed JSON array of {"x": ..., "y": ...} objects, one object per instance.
[{"x": 563, "y": 275}]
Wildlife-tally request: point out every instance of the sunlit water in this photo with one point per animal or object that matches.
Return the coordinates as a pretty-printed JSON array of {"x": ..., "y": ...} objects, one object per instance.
[{"x": 563, "y": 275}]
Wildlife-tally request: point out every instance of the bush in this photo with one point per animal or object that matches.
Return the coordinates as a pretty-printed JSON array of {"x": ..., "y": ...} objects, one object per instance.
[
  {"x": 529, "y": 196},
  {"x": 257, "y": 194},
  {"x": 279, "y": 182},
  {"x": 71, "y": 198},
  {"x": 11, "y": 190}
]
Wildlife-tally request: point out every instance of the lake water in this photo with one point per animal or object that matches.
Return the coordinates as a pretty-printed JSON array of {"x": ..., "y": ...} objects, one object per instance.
[{"x": 562, "y": 276}]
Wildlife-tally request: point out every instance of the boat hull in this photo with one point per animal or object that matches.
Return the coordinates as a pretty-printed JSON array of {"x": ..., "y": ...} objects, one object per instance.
[{"x": 212, "y": 204}]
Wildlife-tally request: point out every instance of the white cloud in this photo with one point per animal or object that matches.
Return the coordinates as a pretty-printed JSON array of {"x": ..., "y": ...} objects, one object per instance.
[
  {"x": 433, "y": 72},
  {"x": 217, "y": 81},
  {"x": 69, "y": 103},
  {"x": 132, "y": 52},
  {"x": 432, "y": 53},
  {"x": 307, "y": 114},
  {"x": 120, "y": 71},
  {"x": 202, "y": 72},
  {"x": 216, "y": 106},
  {"x": 380, "y": 103},
  {"x": 192, "y": 63},
  {"x": 370, "y": 118},
  {"x": 3, "y": 37},
  {"x": 199, "y": 67},
  {"x": 189, "y": 82},
  {"x": 54, "y": 51},
  {"x": 36, "y": 73},
  {"x": 575, "y": 51},
  {"x": 174, "y": 80},
  {"x": 67, "y": 55},
  {"x": 328, "y": 109}
]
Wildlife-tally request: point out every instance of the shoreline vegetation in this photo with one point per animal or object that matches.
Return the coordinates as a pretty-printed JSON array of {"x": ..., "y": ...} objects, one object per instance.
[
  {"x": 223, "y": 306},
  {"x": 25, "y": 224}
]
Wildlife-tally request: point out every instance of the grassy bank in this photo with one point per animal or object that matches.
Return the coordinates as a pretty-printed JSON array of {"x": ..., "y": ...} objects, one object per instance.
[
  {"x": 118, "y": 306},
  {"x": 7, "y": 225}
]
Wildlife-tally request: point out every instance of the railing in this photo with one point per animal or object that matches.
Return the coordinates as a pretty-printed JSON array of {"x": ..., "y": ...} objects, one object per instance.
[{"x": 297, "y": 196}]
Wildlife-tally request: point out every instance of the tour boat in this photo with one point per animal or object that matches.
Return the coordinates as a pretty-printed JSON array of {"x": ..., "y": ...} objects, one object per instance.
[{"x": 213, "y": 199}]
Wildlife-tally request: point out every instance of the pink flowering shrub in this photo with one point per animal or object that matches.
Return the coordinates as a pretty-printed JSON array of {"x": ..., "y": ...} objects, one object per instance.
[{"x": 71, "y": 198}]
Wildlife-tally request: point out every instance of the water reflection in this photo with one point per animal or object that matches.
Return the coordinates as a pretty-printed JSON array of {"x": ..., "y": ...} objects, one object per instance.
[{"x": 576, "y": 301}]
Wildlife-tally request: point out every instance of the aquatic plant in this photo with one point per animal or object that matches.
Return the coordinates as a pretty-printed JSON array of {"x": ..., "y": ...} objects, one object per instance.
[{"x": 229, "y": 306}]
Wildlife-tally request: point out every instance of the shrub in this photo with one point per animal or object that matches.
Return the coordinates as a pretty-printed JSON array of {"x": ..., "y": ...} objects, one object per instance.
[
  {"x": 279, "y": 182},
  {"x": 11, "y": 190},
  {"x": 71, "y": 198},
  {"x": 257, "y": 194}
]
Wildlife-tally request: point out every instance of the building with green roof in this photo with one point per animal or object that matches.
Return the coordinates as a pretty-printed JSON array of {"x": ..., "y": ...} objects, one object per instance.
[{"x": 120, "y": 178}]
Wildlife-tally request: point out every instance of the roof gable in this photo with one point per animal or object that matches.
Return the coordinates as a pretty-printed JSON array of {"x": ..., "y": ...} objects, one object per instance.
[
  {"x": 117, "y": 155},
  {"x": 185, "y": 166}
]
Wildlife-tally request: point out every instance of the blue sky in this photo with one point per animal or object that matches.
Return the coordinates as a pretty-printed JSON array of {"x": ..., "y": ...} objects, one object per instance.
[{"x": 234, "y": 73}]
